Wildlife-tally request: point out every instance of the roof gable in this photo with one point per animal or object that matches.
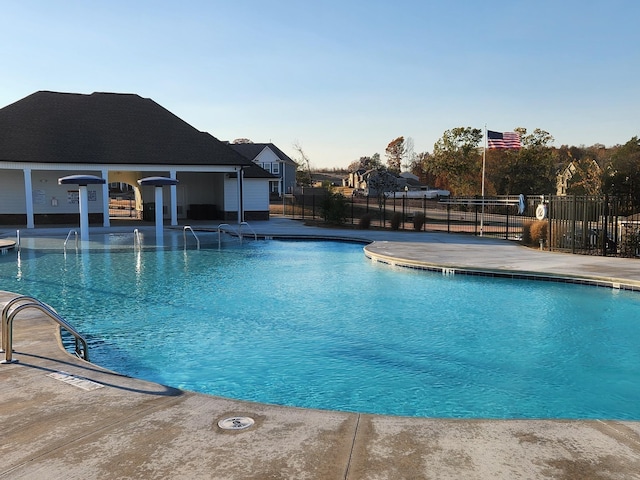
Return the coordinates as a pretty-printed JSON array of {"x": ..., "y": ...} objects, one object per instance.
[
  {"x": 253, "y": 151},
  {"x": 267, "y": 156},
  {"x": 104, "y": 128}
]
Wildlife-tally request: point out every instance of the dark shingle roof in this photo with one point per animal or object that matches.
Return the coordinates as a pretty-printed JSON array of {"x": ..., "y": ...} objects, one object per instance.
[
  {"x": 256, "y": 171},
  {"x": 251, "y": 150},
  {"x": 104, "y": 128}
]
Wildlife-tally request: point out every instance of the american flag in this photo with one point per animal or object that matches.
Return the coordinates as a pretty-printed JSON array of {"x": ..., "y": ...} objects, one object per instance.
[{"x": 506, "y": 140}]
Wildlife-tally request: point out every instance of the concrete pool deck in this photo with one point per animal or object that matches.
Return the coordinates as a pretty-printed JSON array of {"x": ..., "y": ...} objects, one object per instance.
[{"x": 94, "y": 423}]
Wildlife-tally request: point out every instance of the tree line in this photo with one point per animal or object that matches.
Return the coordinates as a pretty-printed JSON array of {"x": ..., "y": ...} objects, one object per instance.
[{"x": 456, "y": 165}]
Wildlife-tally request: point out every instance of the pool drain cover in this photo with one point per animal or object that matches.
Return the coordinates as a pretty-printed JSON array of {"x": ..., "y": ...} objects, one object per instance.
[{"x": 236, "y": 423}]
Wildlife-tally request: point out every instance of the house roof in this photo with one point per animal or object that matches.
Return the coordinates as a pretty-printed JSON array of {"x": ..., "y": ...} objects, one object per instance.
[
  {"x": 251, "y": 150},
  {"x": 104, "y": 128},
  {"x": 256, "y": 171}
]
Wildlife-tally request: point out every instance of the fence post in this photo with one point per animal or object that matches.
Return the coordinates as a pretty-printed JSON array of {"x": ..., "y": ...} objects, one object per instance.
[
  {"x": 475, "y": 222},
  {"x": 550, "y": 212},
  {"x": 574, "y": 214},
  {"x": 424, "y": 213},
  {"x": 605, "y": 236},
  {"x": 384, "y": 211},
  {"x": 353, "y": 197},
  {"x": 506, "y": 234},
  {"x": 448, "y": 218}
]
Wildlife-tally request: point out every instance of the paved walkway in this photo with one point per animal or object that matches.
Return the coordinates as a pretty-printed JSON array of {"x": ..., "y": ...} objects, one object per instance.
[{"x": 93, "y": 423}]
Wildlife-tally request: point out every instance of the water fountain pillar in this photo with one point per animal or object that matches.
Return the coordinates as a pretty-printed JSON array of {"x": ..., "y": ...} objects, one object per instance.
[
  {"x": 83, "y": 199},
  {"x": 83, "y": 202},
  {"x": 158, "y": 183},
  {"x": 159, "y": 220}
]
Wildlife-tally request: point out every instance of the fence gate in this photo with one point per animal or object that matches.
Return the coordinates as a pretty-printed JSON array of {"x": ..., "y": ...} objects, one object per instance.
[{"x": 586, "y": 224}]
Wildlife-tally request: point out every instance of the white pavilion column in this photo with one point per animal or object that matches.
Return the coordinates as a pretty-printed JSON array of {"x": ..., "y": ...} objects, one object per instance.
[
  {"x": 28, "y": 194},
  {"x": 240, "y": 197},
  {"x": 174, "y": 199},
  {"x": 106, "y": 222}
]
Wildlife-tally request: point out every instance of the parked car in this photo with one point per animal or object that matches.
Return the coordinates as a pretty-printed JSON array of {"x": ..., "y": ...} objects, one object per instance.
[{"x": 430, "y": 194}]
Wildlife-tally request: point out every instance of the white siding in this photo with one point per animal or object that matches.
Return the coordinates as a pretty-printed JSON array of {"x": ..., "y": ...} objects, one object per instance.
[
  {"x": 256, "y": 194},
  {"x": 48, "y": 196},
  {"x": 12, "y": 192}
]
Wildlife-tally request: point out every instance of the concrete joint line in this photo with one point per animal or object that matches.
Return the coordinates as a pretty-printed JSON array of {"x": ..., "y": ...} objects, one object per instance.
[{"x": 353, "y": 445}]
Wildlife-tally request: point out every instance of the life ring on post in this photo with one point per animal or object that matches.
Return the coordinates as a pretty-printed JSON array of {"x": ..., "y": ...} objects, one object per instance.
[{"x": 541, "y": 212}]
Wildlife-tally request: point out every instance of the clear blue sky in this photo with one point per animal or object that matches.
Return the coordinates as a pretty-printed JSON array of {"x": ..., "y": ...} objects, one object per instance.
[{"x": 341, "y": 78}]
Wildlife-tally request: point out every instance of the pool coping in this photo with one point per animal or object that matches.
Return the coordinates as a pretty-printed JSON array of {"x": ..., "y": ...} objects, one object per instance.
[{"x": 453, "y": 269}]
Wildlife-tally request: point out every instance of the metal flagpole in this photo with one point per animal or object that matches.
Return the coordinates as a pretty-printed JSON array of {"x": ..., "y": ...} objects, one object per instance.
[{"x": 484, "y": 158}]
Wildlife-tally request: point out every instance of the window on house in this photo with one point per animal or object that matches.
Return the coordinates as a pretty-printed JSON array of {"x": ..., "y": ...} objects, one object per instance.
[{"x": 275, "y": 168}]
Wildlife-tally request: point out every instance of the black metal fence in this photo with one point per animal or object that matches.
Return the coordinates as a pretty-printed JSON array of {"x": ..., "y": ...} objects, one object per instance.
[
  {"x": 495, "y": 217},
  {"x": 591, "y": 225},
  {"x": 594, "y": 225},
  {"x": 584, "y": 224}
]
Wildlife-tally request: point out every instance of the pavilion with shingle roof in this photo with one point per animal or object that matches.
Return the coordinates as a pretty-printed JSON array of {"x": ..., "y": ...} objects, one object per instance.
[{"x": 121, "y": 138}]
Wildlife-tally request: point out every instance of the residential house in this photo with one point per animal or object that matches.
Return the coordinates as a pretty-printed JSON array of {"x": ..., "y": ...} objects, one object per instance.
[
  {"x": 120, "y": 138},
  {"x": 370, "y": 182},
  {"x": 274, "y": 161},
  {"x": 563, "y": 179},
  {"x": 356, "y": 180}
]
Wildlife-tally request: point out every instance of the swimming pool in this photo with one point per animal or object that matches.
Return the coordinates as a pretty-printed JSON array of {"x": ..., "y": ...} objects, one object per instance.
[{"x": 315, "y": 324}]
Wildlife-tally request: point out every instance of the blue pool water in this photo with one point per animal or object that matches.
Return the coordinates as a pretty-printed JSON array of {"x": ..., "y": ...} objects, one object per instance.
[{"x": 316, "y": 324}]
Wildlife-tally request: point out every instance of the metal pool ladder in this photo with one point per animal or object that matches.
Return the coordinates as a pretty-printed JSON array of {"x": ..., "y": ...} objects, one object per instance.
[
  {"x": 237, "y": 232},
  {"x": 67, "y": 239},
  {"x": 255, "y": 235},
  {"x": 15, "y": 306},
  {"x": 220, "y": 230},
  {"x": 184, "y": 236}
]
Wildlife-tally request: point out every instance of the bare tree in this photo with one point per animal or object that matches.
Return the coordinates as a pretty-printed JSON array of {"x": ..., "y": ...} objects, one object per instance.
[
  {"x": 242, "y": 140},
  {"x": 303, "y": 176},
  {"x": 409, "y": 157}
]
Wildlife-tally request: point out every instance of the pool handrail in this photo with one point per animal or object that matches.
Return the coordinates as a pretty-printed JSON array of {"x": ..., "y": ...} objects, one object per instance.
[
  {"x": 238, "y": 232},
  {"x": 67, "y": 239},
  {"x": 15, "y": 306},
  {"x": 255, "y": 235},
  {"x": 220, "y": 229},
  {"x": 184, "y": 236}
]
